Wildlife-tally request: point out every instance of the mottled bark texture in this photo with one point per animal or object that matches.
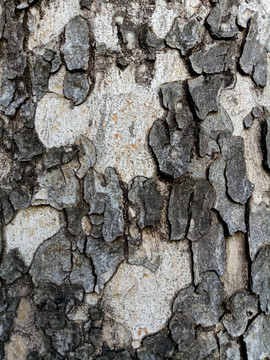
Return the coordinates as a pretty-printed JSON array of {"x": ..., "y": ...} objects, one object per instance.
[{"x": 134, "y": 179}]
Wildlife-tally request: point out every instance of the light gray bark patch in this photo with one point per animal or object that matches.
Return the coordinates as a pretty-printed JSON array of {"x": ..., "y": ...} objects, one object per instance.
[
  {"x": 204, "y": 303},
  {"x": 76, "y": 87},
  {"x": 219, "y": 57},
  {"x": 145, "y": 197},
  {"x": 260, "y": 275},
  {"x": 76, "y": 48},
  {"x": 106, "y": 258},
  {"x": 253, "y": 60},
  {"x": 184, "y": 36},
  {"x": 257, "y": 338},
  {"x": 204, "y": 93},
  {"x": 259, "y": 231},
  {"x": 232, "y": 214},
  {"x": 233, "y": 149},
  {"x": 222, "y": 19},
  {"x": 240, "y": 308},
  {"x": 105, "y": 196},
  {"x": 52, "y": 261},
  {"x": 209, "y": 252}
]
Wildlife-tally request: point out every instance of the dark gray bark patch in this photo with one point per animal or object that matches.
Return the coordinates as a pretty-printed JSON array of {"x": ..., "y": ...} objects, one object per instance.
[
  {"x": 232, "y": 214},
  {"x": 200, "y": 210},
  {"x": 205, "y": 347},
  {"x": 182, "y": 328},
  {"x": 205, "y": 303},
  {"x": 222, "y": 19},
  {"x": 76, "y": 49},
  {"x": 105, "y": 196},
  {"x": 145, "y": 197},
  {"x": 253, "y": 60},
  {"x": 178, "y": 212},
  {"x": 209, "y": 252},
  {"x": 188, "y": 201},
  {"x": 40, "y": 74},
  {"x": 260, "y": 275},
  {"x": 257, "y": 338},
  {"x": 266, "y": 142},
  {"x": 52, "y": 261},
  {"x": 158, "y": 346},
  {"x": 229, "y": 347},
  {"x": 106, "y": 258},
  {"x": 204, "y": 93},
  {"x": 28, "y": 145},
  {"x": 259, "y": 231},
  {"x": 184, "y": 36},
  {"x": 12, "y": 267},
  {"x": 21, "y": 195},
  {"x": 76, "y": 87},
  {"x": 219, "y": 57},
  {"x": 210, "y": 129},
  {"x": 232, "y": 148},
  {"x": 240, "y": 308},
  {"x": 81, "y": 273},
  {"x": 173, "y": 152},
  {"x": 74, "y": 217}
]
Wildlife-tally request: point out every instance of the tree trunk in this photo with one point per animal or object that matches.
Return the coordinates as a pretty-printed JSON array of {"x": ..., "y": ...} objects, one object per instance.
[{"x": 134, "y": 179}]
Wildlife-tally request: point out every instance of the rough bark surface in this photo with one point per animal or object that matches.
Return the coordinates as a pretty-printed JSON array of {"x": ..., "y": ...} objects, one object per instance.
[{"x": 134, "y": 179}]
